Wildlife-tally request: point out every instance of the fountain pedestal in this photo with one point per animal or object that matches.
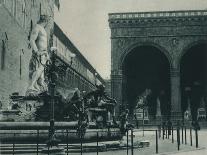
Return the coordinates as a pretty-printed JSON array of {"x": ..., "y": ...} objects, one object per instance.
[{"x": 8, "y": 115}]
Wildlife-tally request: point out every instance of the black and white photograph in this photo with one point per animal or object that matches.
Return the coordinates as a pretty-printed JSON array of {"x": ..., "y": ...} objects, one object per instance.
[{"x": 103, "y": 77}]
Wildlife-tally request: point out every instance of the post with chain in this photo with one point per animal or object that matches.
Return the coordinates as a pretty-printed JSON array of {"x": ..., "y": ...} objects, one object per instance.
[
  {"x": 132, "y": 142},
  {"x": 156, "y": 142},
  {"x": 97, "y": 136},
  {"x": 37, "y": 141},
  {"x": 196, "y": 136},
  {"x": 127, "y": 141},
  {"x": 191, "y": 140}
]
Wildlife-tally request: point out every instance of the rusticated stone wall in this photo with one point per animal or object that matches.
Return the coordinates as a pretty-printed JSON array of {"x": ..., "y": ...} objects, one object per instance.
[
  {"x": 17, "y": 19},
  {"x": 172, "y": 32}
]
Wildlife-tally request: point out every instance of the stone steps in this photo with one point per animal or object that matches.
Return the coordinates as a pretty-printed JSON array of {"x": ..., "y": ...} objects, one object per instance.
[
  {"x": 73, "y": 148},
  {"x": 32, "y": 148}
]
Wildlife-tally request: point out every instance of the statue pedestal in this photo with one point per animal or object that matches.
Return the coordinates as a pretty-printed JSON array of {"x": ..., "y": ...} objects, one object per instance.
[
  {"x": 26, "y": 105},
  {"x": 8, "y": 115},
  {"x": 158, "y": 120},
  {"x": 96, "y": 111},
  {"x": 52, "y": 144}
]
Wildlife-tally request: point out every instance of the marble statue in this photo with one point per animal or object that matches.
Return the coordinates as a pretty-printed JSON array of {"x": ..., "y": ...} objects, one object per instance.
[
  {"x": 158, "y": 110},
  {"x": 38, "y": 41}
]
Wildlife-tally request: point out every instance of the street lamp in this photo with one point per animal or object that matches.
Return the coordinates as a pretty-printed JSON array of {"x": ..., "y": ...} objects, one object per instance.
[
  {"x": 51, "y": 71},
  {"x": 52, "y": 143}
]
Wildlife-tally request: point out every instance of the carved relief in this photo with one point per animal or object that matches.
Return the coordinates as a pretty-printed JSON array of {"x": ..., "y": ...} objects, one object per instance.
[{"x": 175, "y": 41}]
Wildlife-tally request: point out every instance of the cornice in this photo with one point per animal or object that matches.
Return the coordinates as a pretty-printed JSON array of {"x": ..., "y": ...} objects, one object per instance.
[{"x": 171, "y": 18}]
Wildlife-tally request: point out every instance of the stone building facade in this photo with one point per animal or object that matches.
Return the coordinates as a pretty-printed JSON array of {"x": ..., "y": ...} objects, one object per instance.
[
  {"x": 18, "y": 17},
  {"x": 79, "y": 72},
  {"x": 108, "y": 86},
  {"x": 173, "y": 33}
]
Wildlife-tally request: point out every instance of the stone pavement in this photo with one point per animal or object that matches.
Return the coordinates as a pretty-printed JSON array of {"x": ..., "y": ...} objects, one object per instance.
[
  {"x": 200, "y": 151},
  {"x": 165, "y": 147},
  {"x": 202, "y": 142}
]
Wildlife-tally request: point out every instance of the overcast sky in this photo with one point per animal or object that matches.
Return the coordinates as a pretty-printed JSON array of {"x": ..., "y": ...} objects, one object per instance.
[{"x": 86, "y": 23}]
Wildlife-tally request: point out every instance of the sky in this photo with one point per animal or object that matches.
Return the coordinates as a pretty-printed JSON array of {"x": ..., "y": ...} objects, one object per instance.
[{"x": 85, "y": 22}]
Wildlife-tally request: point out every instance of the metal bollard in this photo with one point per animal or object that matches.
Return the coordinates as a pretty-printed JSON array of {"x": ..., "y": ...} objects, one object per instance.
[
  {"x": 182, "y": 134},
  {"x": 81, "y": 140},
  {"x": 13, "y": 145},
  {"x": 37, "y": 142},
  {"x": 172, "y": 135},
  {"x": 48, "y": 148},
  {"x": 132, "y": 146},
  {"x": 156, "y": 142},
  {"x": 185, "y": 136},
  {"x": 191, "y": 141},
  {"x": 127, "y": 141},
  {"x": 67, "y": 141},
  {"x": 168, "y": 133},
  {"x": 178, "y": 138},
  {"x": 196, "y": 135},
  {"x": 97, "y": 143},
  {"x": 159, "y": 130}
]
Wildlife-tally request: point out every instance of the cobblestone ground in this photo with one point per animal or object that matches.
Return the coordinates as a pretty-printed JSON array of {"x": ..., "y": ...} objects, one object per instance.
[
  {"x": 165, "y": 146},
  {"x": 202, "y": 139}
]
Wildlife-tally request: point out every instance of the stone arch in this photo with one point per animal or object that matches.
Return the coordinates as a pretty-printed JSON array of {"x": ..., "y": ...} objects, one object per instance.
[
  {"x": 187, "y": 47},
  {"x": 130, "y": 80},
  {"x": 193, "y": 75},
  {"x": 129, "y": 48}
]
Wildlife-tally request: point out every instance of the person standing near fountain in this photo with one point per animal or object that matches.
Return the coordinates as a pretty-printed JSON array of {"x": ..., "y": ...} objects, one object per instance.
[{"x": 38, "y": 41}]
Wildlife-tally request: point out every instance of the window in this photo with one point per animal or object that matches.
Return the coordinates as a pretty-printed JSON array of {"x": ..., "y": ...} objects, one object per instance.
[
  {"x": 24, "y": 15},
  {"x": 40, "y": 9},
  {"x": 30, "y": 31},
  {"x": 31, "y": 26},
  {"x": 3, "y": 53},
  {"x": 20, "y": 64},
  {"x": 33, "y": 2},
  {"x": 14, "y": 8}
]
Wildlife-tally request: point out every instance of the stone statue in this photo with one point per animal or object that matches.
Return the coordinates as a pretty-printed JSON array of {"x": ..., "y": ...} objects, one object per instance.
[
  {"x": 100, "y": 95},
  {"x": 187, "y": 113},
  {"x": 39, "y": 58},
  {"x": 158, "y": 110}
]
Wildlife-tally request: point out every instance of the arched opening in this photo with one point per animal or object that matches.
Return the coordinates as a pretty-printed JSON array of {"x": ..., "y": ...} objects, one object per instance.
[
  {"x": 193, "y": 67},
  {"x": 147, "y": 68}
]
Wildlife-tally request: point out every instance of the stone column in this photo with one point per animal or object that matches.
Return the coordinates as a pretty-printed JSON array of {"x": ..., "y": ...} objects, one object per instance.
[
  {"x": 116, "y": 89},
  {"x": 175, "y": 95}
]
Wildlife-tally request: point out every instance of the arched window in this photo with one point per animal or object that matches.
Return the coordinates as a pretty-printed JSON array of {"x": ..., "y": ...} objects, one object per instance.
[
  {"x": 24, "y": 13},
  {"x": 31, "y": 25},
  {"x": 40, "y": 9},
  {"x": 33, "y": 2},
  {"x": 3, "y": 53},
  {"x": 30, "y": 31}
]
